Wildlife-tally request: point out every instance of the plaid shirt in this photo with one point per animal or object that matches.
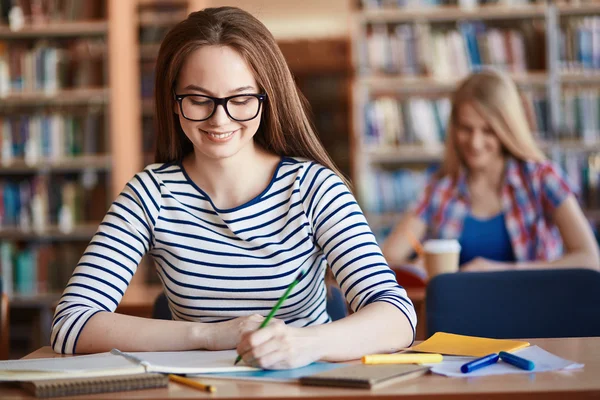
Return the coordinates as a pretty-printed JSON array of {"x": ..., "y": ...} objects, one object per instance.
[{"x": 531, "y": 193}]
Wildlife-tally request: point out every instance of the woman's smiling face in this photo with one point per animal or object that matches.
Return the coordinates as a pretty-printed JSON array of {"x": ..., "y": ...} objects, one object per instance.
[{"x": 217, "y": 71}]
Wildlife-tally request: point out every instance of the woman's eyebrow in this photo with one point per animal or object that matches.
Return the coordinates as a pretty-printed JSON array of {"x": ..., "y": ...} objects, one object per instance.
[
  {"x": 242, "y": 89},
  {"x": 208, "y": 92}
]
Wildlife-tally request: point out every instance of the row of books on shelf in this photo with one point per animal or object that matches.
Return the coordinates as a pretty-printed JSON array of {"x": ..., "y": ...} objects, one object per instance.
[
  {"x": 45, "y": 11},
  {"x": 35, "y": 204},
  {"x": 580, "y": 114},
  {"x": 52, "y": 136},
  {"x": 467, "y": 4},
  {"x": 391, "y": 191},
  {"x": 583, "y": 172},
  {"x": 36, "y": 268},
  {"x": 378, "y": 4},
  {"x": 394, "y": 191},
  {"x": 390, "y": 121},
  {"x": 47, "y": 67},
  {"x": 579, "y": 43},
  {"x": 423, "y": 50}
]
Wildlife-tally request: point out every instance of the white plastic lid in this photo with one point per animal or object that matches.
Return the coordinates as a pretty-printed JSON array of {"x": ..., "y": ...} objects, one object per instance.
[{"x": 441, "y": 246}]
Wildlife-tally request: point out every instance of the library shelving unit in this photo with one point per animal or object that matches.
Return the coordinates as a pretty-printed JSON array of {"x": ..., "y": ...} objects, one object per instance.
[
  {"x": 408, "y": 59},
  {"x": 67, "y": 145}
]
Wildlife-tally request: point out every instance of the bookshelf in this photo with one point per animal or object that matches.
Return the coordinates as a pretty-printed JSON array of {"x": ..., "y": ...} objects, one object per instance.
[
  {"x": 55, "y": 162},
  {"x": 67, "y": 144},
  {"x": 403, "y": 74}
]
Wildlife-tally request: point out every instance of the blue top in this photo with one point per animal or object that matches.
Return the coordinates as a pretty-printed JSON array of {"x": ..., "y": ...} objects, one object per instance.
[{"x": 486, "y": 238}]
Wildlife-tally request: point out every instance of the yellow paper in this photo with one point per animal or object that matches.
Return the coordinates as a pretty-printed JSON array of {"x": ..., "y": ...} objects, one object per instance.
[{"x": 460, "y": 345}]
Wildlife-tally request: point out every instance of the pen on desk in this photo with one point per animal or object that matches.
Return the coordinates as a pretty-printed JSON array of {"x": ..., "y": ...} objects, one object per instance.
[
  {"x": 276, "y": 307},
  {"x": 479, "y": 363},
  {"x": 403, "y": 358},
  {"x": 517, "y": 361},
  {"x": 192, "y": 383}
]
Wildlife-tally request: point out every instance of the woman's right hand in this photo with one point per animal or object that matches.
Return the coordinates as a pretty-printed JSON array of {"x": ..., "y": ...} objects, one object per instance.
[{"x": 227, "y": 335}]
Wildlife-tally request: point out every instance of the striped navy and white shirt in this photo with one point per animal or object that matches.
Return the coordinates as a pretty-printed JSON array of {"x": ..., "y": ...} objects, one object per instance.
[{"x": 220, "y": 264}]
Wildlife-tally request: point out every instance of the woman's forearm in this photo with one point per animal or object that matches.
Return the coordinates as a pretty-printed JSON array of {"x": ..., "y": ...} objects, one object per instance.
[
  {"x": 377, "y": 328},
  {"x": 577, "y": 259},
  {"x": 105, "y": 331}
]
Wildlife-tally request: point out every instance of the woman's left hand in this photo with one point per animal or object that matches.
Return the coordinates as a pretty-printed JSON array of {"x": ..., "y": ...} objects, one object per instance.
[
  {"x": 279, "y": 346},
  {"x": 481, "y": 264}
]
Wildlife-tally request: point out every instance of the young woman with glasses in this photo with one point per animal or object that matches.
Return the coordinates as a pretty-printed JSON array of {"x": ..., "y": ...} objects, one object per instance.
[{"x": 243, "y": 197}]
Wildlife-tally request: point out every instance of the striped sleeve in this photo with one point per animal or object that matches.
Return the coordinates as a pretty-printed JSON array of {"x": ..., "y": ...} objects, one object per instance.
[
  {"x": 341, "y": 230},
  {"x": 109, "y": 262}
]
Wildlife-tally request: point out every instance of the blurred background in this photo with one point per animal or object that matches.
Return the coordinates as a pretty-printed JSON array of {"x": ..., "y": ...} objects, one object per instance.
[{"x": 76, "y": 111}]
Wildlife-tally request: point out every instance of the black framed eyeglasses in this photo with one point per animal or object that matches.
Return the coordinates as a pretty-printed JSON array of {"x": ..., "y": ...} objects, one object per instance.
[{"x": 240, "y": 107}]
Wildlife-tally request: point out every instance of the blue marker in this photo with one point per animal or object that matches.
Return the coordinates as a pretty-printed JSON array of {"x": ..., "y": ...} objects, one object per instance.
[
  {"x": 479, "y": 363},
  {"x": 517, "y": 361}
]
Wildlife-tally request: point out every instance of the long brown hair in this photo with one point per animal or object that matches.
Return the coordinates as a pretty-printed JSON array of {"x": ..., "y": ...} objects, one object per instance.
[
  {"x": 285, "y": 128},
  {"x": 496, "y": 97}
]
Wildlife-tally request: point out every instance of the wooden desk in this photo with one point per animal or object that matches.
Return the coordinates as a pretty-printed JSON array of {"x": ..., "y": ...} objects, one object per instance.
[{"x": 581, "y": 384}]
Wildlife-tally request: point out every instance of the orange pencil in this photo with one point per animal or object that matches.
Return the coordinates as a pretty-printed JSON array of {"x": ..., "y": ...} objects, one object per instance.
[
  {"x": 416, "y": 245},
  {"x": 192, "y": 383}
]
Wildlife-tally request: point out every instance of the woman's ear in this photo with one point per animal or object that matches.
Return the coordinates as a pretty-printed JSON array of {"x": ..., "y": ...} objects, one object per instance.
[{"x": 176, "y": 107}]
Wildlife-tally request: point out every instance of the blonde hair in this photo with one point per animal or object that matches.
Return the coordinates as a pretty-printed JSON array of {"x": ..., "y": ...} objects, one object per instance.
[{"x": 495, "y": 96}]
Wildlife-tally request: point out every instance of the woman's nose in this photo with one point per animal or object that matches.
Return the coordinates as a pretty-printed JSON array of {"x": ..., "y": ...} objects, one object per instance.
[{"x": 220, "y": 117}]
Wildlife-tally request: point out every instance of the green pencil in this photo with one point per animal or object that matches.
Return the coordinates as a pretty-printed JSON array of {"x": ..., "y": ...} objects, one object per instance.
[{"x": 276, "y": 307}]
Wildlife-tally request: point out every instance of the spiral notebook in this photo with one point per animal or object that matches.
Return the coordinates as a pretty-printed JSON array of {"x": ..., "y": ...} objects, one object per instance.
[{"x": 107, "y": 384}]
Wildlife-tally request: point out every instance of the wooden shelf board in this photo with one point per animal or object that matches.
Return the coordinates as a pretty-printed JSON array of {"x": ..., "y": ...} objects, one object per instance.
[
  {"x": 82, "y": 232},
  {"x": 18, "y": 300},
  {"x": 59, "y": 97},
  {"x": 451, "y": 13},
  {"x": 379, "y": 220},
  {"x": 74, "y": 163},
  {"x": 419, "y": 154},
  {"x": 405, "y": 84},
  {"x": 157, "y": 20},
  {"x": 582, "y": 9},
  {"x": 583, "y": 77},
  {"x": 170, "y": 3},
  {"x": 404, "y": 154},
  {"x": 56, "y": 29},
  {"x": 569, "y": 145}
]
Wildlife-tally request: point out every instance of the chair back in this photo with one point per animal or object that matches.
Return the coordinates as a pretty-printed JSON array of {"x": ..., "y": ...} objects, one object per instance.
[
  {"x": 336, "y": 305},
  {"x": 515, "y": 304}
]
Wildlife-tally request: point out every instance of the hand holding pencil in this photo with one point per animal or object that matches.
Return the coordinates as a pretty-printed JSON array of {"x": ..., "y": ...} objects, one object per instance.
[{"x": 278, "y": 346}]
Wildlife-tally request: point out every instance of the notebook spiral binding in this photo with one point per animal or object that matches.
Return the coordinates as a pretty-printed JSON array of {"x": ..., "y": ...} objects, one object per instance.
[{"x": 107, "y": 384}]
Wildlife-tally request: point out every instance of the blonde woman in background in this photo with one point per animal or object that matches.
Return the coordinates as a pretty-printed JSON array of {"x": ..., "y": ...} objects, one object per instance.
[{"x": 508, "y": 206}]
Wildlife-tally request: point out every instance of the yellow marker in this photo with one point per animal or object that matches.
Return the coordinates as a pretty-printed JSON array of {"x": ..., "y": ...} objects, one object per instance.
[
  {"x": 192, "y": 383},
  {"x": 402, "y": 358}
]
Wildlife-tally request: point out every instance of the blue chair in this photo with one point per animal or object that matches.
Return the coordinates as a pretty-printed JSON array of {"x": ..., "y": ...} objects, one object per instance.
[
  {"x": 515, "y": 304},
  {"x": 336, "y": 305}
]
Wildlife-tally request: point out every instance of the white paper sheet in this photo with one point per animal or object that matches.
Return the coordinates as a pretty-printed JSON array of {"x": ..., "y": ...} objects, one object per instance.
[
  {"x": 543, "y": 360},
  {"x": 192, "y": 362},
  {"x": 107, "y": 364}
]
